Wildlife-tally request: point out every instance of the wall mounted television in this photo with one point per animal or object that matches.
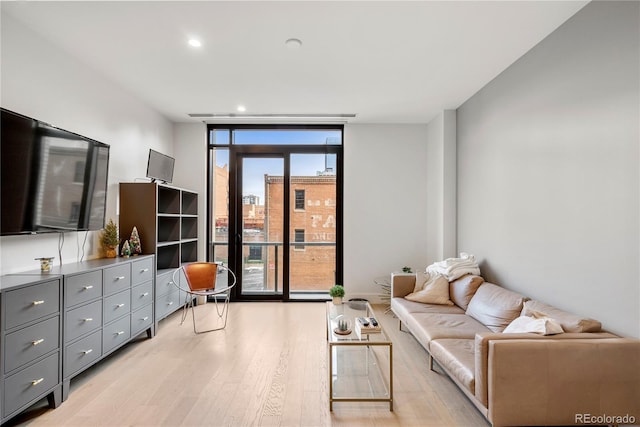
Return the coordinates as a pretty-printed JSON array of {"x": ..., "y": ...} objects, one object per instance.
[
  {"x": 160, "y": 167},
  {"x": 51, "y": 180}
]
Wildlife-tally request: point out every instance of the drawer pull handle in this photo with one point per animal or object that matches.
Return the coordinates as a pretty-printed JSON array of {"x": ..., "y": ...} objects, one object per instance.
[
  {"x": 144, "y": 270},
  {"x": 36, "y": 382},
  {"x": 86, "y": 288},
  {"x": 119, "y": 305},
  {"x": 144, "y": 318},
  {"x": 88, "y": 319},
  {"x": 120, "y": 333},
  {"x": 87, "y": 352},
  {"x": 145, "y": 294},
  {"x": 119, "y": 277},
  {"x": 36, "y": 342},
  {"x": 38, "y": 302},
  {"x": 170, "y": 282},
  {"x": 170, "y": 303}
]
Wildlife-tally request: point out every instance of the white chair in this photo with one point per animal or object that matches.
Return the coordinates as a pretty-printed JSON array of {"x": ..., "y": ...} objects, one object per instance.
[{"x": 201, "y": 278}]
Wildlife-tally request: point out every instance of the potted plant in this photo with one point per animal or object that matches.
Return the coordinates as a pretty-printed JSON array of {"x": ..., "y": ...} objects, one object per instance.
[
  {"x": 109, "y": 239},
  {"x": 337, "y": 292}
]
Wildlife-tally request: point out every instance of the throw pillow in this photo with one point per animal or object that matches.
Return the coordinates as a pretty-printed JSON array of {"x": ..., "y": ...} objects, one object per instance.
[
  {"x": 541, "y": 325},
  {"x": 570, "y": 322},
  {"x": 463, "y": 289},
  {"x": 435, "y": 291}
]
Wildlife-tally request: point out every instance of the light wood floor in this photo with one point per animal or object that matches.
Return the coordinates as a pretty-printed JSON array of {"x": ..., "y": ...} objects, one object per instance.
[{"x": 267, "y": 368}]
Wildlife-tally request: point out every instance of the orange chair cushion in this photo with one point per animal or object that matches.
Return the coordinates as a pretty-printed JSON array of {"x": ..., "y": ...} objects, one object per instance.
[{"x": 201, "y": 275}]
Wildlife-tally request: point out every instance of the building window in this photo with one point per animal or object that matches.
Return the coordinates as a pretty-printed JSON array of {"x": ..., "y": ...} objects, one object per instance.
[
  {"x": 78, "y": 174},
  {"x": 299, "y": 194},
  {"x": 299, "y": 238},
  {"x": 255, "y": 253}
]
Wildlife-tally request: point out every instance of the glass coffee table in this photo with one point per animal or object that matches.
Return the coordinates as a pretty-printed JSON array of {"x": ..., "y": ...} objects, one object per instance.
[{"x": 360, "y": 364}]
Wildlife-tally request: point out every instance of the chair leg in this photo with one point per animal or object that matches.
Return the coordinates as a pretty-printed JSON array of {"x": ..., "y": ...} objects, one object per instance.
[
  {"x": 184, "y": 309},
  {"x": 224, "y": 313}
]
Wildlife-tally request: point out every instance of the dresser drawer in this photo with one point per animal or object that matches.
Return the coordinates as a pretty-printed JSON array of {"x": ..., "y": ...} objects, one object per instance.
[
  {"x": 167, "y": 303},
  {"x": 82, "y": 353},
  {"x": 82, "y": 320},
  {"x": 116, "y": 333},
  {"x": 116, "y": 278},
  {"x": 141, "y": 271},
  {"x": 30, "y": 383},
  {"x": 30, "y": 303},
  {"x": 117, "y": 305},
  {"x": 141, "y": 295},
  {"x": 82, "y": 288},
  {"x": 141, "y": 319},
  {"x": 29, "y": 343},
  {"x": 164, "y": 284}
]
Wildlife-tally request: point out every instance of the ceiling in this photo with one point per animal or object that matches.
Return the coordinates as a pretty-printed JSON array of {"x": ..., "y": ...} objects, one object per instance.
[{"x": 386, "y": 62}]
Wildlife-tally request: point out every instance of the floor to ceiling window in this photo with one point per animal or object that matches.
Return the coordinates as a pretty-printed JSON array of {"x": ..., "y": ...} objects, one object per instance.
[{"x": 275, "y": 208}]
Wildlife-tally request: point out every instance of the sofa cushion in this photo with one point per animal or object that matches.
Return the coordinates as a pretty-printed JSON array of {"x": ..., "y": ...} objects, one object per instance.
[
  {"x": 403, "y": 307},
  {"x": 569, "y": 322},
  {"x": 457, "y": 357},
  {"x": 427, "y": 327},
  {"x": 463, "y": 289},
  {"x": 495, "y": 307},
  {"x": 434, "y": 291},
  {"x": 536, "y": 325}
]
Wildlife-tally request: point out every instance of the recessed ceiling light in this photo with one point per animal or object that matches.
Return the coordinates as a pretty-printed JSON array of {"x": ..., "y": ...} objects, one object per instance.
[
  {"x": 293, "y": 43},
  {"x": 194, "y": 43},
  {"x": 242, "y": 108}
]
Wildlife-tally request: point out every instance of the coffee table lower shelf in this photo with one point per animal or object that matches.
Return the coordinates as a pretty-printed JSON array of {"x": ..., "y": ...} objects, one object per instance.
[{"x": 358, "y": 373}]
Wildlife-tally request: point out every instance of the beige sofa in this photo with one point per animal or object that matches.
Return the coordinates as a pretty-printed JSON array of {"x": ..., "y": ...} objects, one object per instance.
[{"x": 582, "y": 376}]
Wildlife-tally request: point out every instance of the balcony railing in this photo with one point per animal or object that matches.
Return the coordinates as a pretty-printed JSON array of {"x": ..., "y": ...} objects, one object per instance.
[{"x": 261, "y": 269}]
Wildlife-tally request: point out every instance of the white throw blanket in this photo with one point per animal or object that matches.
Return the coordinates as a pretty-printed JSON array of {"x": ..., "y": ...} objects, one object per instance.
[{"x": 454, "y": 268}]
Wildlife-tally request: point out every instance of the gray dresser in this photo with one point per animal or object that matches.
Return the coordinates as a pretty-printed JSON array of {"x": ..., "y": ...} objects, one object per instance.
[
  {"x": 55, "y": 325},
  {"x": 31, "y": 342}
]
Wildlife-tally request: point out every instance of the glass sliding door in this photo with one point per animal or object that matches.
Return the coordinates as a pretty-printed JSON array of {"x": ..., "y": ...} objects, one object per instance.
[
  {"x": 312, "y": 230},
  {"x": 261, "y": 231}
]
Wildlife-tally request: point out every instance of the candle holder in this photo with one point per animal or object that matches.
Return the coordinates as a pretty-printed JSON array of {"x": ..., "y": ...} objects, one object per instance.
[{"x": 45, "y": 263}]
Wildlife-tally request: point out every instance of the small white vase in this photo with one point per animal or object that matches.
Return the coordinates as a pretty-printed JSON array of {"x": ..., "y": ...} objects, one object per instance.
[{"x": 337, "y": 300}]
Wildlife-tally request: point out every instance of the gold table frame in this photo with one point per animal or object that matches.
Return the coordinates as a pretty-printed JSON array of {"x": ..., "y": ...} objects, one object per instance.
[{"x": 351, "y": 310}]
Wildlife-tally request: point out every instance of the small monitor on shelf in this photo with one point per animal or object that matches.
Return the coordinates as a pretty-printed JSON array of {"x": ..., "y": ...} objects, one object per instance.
[{"x": 160, "y": 167}]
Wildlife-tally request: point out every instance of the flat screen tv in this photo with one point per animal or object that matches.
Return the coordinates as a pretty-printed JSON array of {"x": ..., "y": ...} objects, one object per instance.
[
  {"x": 51, "y": 180},
  {"x": 160, "y": 167}
]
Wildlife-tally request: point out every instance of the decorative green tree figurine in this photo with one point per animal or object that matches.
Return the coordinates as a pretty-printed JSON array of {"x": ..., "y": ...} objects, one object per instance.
[
  {"x": 126, "y": 249},
  {"x": 109, "y": 239},
  {"x": 134, "y": 240}
]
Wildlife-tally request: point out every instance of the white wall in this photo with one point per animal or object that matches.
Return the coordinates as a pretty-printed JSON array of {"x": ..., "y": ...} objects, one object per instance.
[
  {"x": 548, "y": 160},
  {"x": 190, "y": 151},
  {"x": 385, "y": 203},
  {"x": 41, "y": 81},
  {"x": 441, "y": 187}
]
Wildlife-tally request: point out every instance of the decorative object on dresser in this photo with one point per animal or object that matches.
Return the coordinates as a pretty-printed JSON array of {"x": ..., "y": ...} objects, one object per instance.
[
  {"x": 109, "y": 239},
  {"x": 45, "y": 263},
  {"x": 134, "y": 241}
]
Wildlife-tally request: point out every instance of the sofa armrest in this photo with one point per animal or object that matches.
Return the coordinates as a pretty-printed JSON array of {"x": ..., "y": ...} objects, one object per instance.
[
  {"x": 402, "y": 284},
  {"x": 560, "y": 382},
  {"x": 481, "y": 353}
]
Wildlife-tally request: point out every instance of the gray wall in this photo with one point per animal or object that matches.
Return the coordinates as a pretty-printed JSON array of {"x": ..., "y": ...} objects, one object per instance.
[{"x": 548, "y": 156}]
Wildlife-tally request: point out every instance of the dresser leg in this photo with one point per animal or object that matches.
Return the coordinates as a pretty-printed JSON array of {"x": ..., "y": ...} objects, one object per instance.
[
  {"x": 151, "y": 332},
  {"x": 65, "y": 389},
  {"x": 55, "y": 397}
]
